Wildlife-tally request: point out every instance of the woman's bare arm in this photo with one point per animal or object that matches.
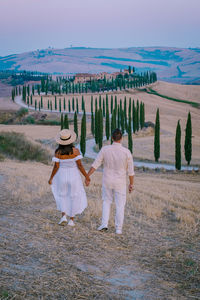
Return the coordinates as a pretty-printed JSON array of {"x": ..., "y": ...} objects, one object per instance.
[
  {"x": 80, "y": 167},
  {"x": 54, "y": 171}
]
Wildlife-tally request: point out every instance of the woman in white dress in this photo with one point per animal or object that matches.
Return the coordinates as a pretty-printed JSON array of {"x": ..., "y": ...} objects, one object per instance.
[{"x": 65, "y": 179}]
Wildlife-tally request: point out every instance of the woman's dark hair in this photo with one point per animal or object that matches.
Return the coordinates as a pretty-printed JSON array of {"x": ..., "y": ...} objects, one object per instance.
[
  {"x": 65, "y": 149},
  {"x": 117, "y": 134}
]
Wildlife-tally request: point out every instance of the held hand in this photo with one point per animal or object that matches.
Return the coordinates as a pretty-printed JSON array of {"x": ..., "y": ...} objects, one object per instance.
[
  {"x": 87, "y": 181},
  {"x": 130, "y": 188}
]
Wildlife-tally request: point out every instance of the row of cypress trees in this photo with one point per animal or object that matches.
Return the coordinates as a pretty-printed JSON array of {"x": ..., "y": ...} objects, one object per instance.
[
  {"x": 97, "y": 129},
  {"x": 187, "y": 144},
  {"x": 66, "y": 86}
]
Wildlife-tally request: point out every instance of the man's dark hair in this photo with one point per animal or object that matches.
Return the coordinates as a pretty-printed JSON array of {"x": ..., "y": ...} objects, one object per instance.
[{"x": 116, "y": 134}]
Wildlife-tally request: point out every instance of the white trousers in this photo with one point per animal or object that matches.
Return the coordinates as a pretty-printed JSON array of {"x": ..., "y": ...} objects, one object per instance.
[{"x": 120, "y": 201}]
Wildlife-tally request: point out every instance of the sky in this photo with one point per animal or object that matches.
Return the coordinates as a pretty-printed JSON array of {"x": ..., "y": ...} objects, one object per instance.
[{"x": 27, "y": 25}]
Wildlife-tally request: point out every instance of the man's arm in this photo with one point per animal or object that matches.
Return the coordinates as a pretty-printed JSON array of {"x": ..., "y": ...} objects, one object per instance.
[
  {"x": 131, "y": 173},
  {"x": 131, "y": 183},
  {"x": 98, "y": 161},
  {"x": 91, "y": 171}
]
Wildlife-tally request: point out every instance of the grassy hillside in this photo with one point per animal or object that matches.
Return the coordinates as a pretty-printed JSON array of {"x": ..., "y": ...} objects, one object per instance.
[{"x": 172, "y": 64}]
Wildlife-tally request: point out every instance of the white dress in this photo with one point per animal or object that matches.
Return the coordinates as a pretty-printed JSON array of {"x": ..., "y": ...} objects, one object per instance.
[{"x": 67, "y": 187}]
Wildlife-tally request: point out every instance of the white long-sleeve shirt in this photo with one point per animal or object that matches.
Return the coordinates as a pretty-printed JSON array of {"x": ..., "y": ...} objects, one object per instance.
[{"x": 117, "y": 162}]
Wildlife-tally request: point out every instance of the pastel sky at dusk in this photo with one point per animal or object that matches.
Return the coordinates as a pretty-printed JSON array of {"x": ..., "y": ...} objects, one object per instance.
[{"x": 27, "y": 25}]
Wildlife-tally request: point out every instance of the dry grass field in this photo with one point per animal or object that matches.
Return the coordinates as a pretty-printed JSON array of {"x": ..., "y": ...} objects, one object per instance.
[{"x": 158, "y": 255}]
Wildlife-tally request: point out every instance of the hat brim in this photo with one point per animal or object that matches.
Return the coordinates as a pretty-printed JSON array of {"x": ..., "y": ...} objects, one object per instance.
[{"x": 70, "y": 141}]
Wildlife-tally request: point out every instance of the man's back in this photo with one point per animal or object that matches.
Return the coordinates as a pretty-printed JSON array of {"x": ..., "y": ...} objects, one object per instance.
[{"x": 117, "y": 161}]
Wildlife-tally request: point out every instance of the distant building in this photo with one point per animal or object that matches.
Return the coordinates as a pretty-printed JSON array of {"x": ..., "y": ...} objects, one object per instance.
[{"x": 86, "y": 77}]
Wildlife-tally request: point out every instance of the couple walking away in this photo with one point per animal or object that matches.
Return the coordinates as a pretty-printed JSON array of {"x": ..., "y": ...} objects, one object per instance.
[{"x": 67, "y": 186}]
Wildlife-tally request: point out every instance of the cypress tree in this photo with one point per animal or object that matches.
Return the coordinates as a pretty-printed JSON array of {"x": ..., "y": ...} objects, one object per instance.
[
  {"x": 157, "y": 137},
  {"x": 107, "y": 122},
  {"x": 38, "y": 89},
  {"x": 55, "y": 103},
  {"x": 31, "y": 99},
  {"x": 66, "y": 122},
  {"x": 100, "y": 117},
  {"x": 77, "y": 108},
  {"x": 104, "y": 111},
  {"x": 33, "y": 90},
  {"x": 143, "y": 110},
  {"x": 111, "y": 104},
  {"x": 122, "y": 121},
  {"x": 178, "y": 147},
  {"x": 118, "y": 116},
  {"x": 35, "y": 105},
  {"x": 28, "y": 90},
  {"x": 69, "y": 105},
  {"x": 130, "y": 141},
  {"x": 125, "y": 114},
  {"x": 28, "y": 101},
  {"x": 61, "y": 122},
  {"x": 39, "y": 106},
  {"x": 60, "y": 109},
  {"x": 64, "y": 104},
  {"x": 188, "y": 140},
  {"x": 138, "y": 116},
  {"x": 129, "y": 107},
  {"x": 91, "y": 104},
  {"x": 113, "y": 125},
  {"x": 95, "y": 104},
  {"x": 48, "y": 104},
  {"x": 83, "y": 104},
  {"x": 41, "y": 102},
  {"x": 99, "y": 101},
  {"x": 13, "y": 94},
  {"x": 116, "y": 102},
  {"x": 73, "y": 107},
  {"x": 75, "y": 124},
  {"x": 51, "y": 105},
  {"x": 92, "y": 124},
  {"x": 141, "y": 115},
  {"x": 134, "y": 116},
  {"x": 115, "y": 118},
  {"x": 85, "y": 123},
  {"x": 96, "y": 125},
  {"x": 83, "y": 135}
]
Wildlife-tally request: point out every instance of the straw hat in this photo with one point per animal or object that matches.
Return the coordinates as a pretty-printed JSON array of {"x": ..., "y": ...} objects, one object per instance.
[{"x": 65, "y": 137}]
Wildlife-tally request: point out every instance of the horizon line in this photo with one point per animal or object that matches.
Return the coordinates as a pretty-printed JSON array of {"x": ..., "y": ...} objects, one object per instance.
[{"x": 103, "y": 48}]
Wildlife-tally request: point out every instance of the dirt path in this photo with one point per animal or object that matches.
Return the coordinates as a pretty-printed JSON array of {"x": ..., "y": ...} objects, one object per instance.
[{"x": 41, "y": 260}]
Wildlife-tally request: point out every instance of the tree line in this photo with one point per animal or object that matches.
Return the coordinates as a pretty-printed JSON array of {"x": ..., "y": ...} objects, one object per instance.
[{"x": 66, "y": 85}]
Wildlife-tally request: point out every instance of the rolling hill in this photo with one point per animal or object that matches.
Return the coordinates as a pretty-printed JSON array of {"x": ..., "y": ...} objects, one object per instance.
[{"x": 171, "y": 64}]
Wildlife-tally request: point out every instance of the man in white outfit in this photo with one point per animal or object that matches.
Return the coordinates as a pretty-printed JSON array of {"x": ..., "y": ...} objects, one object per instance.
[{"x": 117, "y": 162}]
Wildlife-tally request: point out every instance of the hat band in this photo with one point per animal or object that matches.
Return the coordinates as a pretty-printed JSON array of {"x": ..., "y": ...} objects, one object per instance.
[{"x": 66, "y": 138}]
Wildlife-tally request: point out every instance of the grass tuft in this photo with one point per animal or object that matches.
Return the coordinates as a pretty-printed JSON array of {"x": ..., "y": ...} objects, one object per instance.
[{"x": 14, "y": 145}]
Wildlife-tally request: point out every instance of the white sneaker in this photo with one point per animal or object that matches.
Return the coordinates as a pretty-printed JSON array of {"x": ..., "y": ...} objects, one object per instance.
[
  {"x": 118, "y": 231},
  {"x": 71, "y": 223},
  {"x": 102, "y": 228},
  {"x": 63, "y": 220}
]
